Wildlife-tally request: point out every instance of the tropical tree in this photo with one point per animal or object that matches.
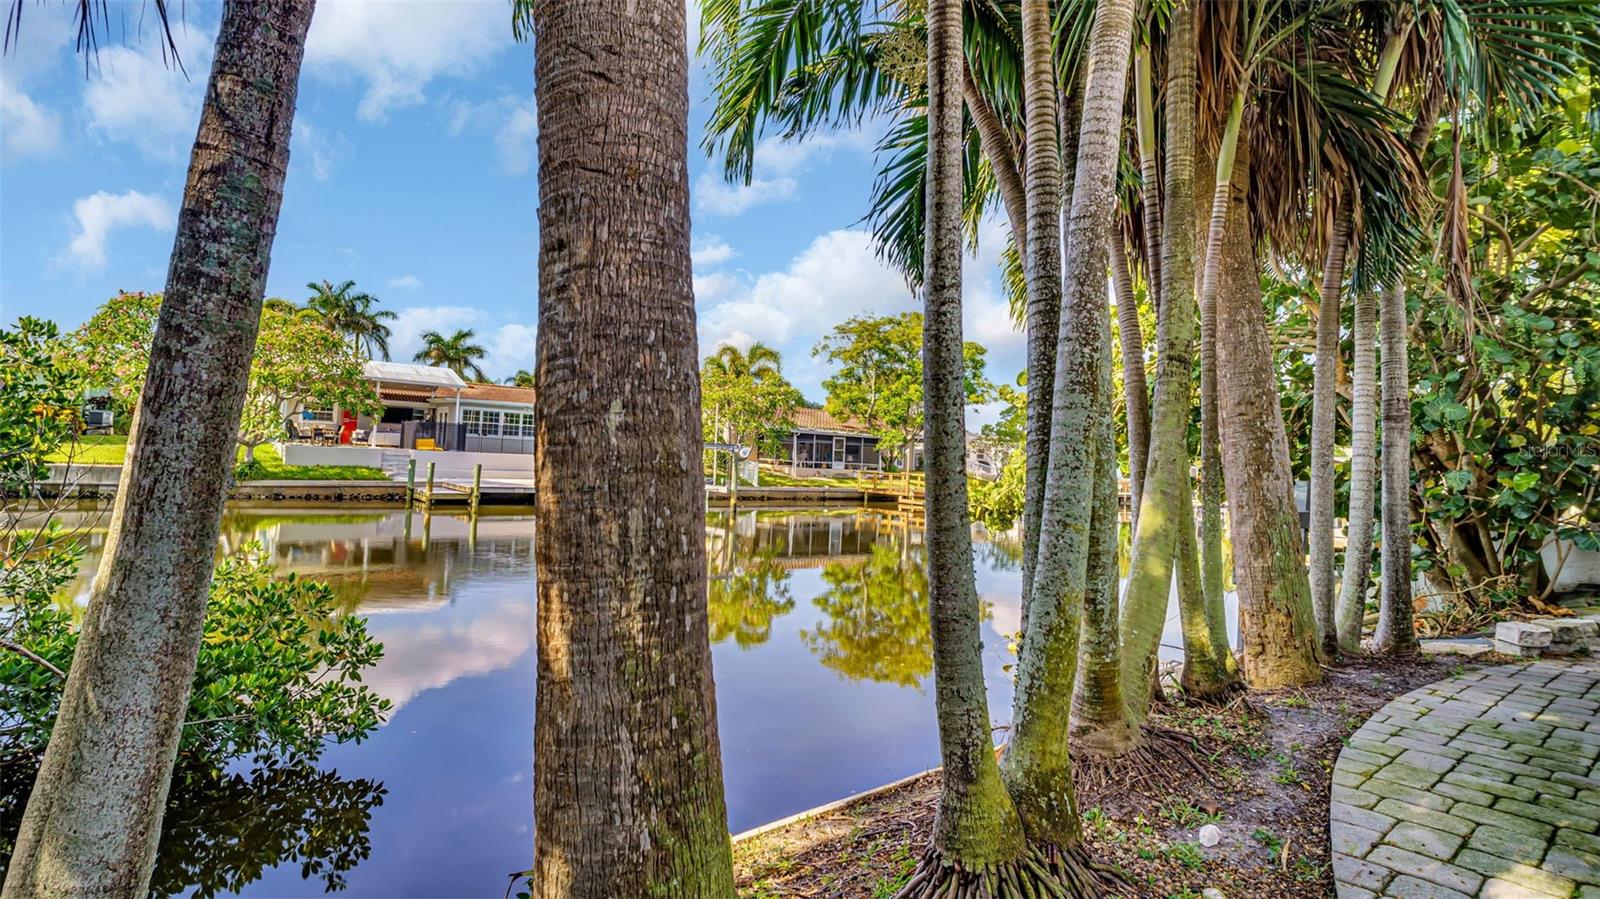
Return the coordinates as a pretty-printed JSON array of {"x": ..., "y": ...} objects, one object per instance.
[
  {"x": 880, "y": 373},
  {"x": 628, "y": 796},
  {"x": 746, "y": 397},
  {"x": 112, "y": 349},
  {"x": 523, "y": 378},
  {"x": 456, "y": 352},
  {"x": 353, "y": 314},
  {"x": 94, "y": 817},
  {"x": 977, "y": 829},
  {"x": 298, "y": 364}
]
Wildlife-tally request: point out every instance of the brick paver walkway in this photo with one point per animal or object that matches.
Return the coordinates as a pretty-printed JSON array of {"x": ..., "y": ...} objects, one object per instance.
[{"x": 1485, "y": 785}]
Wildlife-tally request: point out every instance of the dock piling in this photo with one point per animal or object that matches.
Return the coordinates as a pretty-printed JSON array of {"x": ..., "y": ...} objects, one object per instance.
[
  {"x": 427, "y": 496},
  {"x": 477, "y": 492},
  {"x": 411, "y": 482}
]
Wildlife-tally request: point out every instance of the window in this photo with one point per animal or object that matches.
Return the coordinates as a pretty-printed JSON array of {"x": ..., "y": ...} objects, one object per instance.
[
  {"x": 317, "y": 415},
  {"x": 481, "y": 423},
  {"x": 519, "y": 424}
]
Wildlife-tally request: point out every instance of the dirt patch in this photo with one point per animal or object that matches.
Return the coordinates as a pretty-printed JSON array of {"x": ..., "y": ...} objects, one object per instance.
[{"x": 1267, "y": 762}]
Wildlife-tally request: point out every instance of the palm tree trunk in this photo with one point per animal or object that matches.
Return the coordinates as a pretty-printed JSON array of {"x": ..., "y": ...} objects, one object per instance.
[
  {"x": 1268, "y": 558},
  {"x": 1036, "y": 766},
  {"x": 1363, "y": 459},
  {"x": 1101, "y": 725},
  {"x": 1149, "y": 167},
  {"x": 1211, "y": 476},
  {"x": 997, "y": 148},
  {"x": 1135, "y": 390},
  {"x": 1041, "y": 257},
  {"x": 1166, "y": 522},
  {"x": 1324, "y": 399},
  {"x": 1396, "y": 633},
  {"x": 628, "y": 797},
  {"x": 94, "y": 819},
  {"x": 977, "y": 824}
]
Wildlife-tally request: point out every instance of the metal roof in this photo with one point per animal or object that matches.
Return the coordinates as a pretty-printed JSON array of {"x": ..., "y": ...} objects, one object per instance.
[{"x": 411, "y": 373}]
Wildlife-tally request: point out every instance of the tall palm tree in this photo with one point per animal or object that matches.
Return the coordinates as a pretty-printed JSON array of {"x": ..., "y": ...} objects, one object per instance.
[
  {"x": 757, "y": 363},
  {"x": 523, "y": 378},
  {"x": 456, "y": 352},
  {"x": 628, "y": 797},
  {"x": 1073, "y": 520},
  {"x": 977, "y": 825},
  {"x": 353, "y": 314},
  {"x": 94, "y": 817}
]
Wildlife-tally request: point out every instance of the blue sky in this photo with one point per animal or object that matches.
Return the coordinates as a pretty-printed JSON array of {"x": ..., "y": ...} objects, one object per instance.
[{"x": 413, "y": 173}]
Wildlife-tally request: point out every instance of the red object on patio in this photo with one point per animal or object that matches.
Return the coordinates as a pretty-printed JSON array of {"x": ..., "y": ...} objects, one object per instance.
[{"x": 347, "y": 428}]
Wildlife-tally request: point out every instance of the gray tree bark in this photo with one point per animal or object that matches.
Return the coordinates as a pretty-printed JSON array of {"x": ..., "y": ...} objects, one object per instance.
[
  {"x": 94, "y": 819},
  {"x": 628, "y": 797},
  {"x": 1324, "y": 400},
  {"x": 1396, "y": 633},
  {"x": 1036, "y": 766},
  {"x": 1363, "y": 474},
  {"x": 976, "y": 823}
]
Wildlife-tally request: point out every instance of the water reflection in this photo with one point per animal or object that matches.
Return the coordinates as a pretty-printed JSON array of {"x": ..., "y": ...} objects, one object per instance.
[
  {"x": 877, "y": 616},
  {"x": 822, "y": 658},
  {"x": 221, "y": 831}
]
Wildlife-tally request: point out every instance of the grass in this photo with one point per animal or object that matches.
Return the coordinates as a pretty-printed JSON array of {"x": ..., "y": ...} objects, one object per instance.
[{"x": 111, "y": 449}]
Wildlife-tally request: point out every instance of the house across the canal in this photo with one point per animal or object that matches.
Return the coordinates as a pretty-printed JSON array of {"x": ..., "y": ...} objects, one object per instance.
[
  {"x": 426, "y": 407},
  {"x": 822, "y": 444}
]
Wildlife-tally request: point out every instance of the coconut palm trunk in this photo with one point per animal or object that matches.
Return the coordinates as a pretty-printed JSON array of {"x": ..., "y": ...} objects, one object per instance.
[
  {"x": 1324, "y": 398},
  {"x": 1041, "y": 257},
  {"x": 1211, "y": 481},
  {"x": 628, "y": 797},
  {"x": 1135, "y": 390},
  {"x": 1166, "y": 525},
  {"x": 1363, "y": 471},
  {"x": 1268, "y": 559},
  {"x": 1036, "y": 765},
  {"x": 977, "y": 826},
  {"x": 1396, "y": 633},
  {"x": 94, "y": 819}
]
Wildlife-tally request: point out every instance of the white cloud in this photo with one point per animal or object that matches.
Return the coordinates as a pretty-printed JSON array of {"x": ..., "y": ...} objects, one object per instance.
[
  {"x": 773, "y": 174},
  {"x": 317, "y": 148},
  {"x": 714, "y": 286},
  {"x": 396, "y": 49},
  {"x": 836, "y": 276},
  {"x": 511, "y": 120},
  {"x": 101, "y": 213},
  {"x": 409, "y": 324},
  {"x": 515, "y": 142},
  {"x": 511, "y": 347},
  {"x": 405, "y": 282},
  {"x": 712, "y": 251},
  {"x": 134, "y": 95},
  {"x": 26, "y": 128}
]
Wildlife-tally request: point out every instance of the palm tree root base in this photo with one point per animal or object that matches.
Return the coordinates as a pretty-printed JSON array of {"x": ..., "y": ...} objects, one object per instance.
[
  {"x": 1044, "y": 872},
  {"x": 1158, "y": 751}
]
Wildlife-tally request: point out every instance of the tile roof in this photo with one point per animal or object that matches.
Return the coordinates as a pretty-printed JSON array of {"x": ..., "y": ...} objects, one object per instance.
[
  {"x": 494, "y": 393},
  {"x": 819, "y": 420}
]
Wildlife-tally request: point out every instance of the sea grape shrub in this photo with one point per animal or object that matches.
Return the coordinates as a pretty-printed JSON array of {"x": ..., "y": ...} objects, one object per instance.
[
  {"x": 1506, "y": 398},
  {"x": 38, "y": 404},
  {"x": 279, "y": 672}
]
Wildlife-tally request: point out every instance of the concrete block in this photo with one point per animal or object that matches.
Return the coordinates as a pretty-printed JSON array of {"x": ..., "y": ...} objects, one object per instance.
[{"x": 1523, "y": 633}]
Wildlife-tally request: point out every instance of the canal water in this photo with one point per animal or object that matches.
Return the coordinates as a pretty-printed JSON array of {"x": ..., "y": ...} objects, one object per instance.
[{"x": 823, "y": 664}]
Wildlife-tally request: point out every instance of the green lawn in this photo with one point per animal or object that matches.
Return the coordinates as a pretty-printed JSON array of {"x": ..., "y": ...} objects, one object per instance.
[{"x": 111, "y": 449}]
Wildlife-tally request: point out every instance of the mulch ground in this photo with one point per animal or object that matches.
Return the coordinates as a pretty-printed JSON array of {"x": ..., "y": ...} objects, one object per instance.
[{"x": 1267, "y": 762}]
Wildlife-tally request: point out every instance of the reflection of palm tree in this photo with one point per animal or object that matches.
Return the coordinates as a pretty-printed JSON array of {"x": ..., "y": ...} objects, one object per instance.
[
  {"x": 877, "y": 626},
  {"x": 456, "y": 352}
]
